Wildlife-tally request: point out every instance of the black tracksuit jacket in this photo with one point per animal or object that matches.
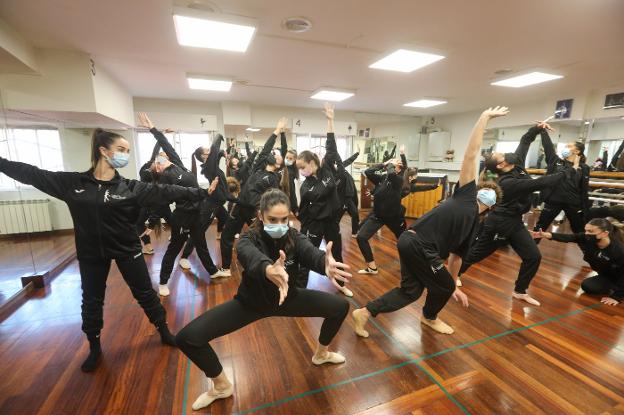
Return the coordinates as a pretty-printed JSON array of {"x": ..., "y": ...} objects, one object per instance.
[{"x": 104, "y": 212}]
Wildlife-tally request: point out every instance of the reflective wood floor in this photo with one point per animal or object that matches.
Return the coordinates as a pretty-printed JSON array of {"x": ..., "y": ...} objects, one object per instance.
[{"x": 565, "y": 357}]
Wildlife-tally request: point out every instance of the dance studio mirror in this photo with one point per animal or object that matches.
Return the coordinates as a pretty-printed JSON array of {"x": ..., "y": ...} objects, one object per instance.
[
  {"x": 36, "y": 230},
  {"x": 379, "y": 149}
]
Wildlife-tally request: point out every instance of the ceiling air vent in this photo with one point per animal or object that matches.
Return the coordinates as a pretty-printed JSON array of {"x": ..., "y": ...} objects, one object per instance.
[{"x": 297, "y": 24}]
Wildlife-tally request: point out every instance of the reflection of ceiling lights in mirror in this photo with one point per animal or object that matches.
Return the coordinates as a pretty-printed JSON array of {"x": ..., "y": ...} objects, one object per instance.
[
  {"x": 404, "y": 60},
  {"x": 531, "y": 78},
  {"x": 202, "y": 29},
  {"x": 253, "y": 130},
  {"x": 331, "y": 94},
  {"x": 208, "y": 83}
]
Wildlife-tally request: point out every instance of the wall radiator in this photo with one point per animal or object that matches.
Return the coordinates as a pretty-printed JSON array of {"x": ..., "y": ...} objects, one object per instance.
[{"x": 24, "y": 216}]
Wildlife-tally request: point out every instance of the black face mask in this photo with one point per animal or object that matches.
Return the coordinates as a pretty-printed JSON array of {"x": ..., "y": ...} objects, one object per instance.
[{"x": 592, "y": 238}]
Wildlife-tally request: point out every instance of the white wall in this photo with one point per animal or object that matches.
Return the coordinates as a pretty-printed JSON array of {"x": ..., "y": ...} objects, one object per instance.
[
  {"x": 64, "y": 84},
  {"x": 181, "y": 114},
  {"x": 111, "y": 99}
]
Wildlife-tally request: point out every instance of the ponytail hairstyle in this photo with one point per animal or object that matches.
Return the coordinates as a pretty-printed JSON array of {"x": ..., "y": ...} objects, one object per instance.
[
  {"x": 308, "y": 157},
  {"x": 581, "y": 149},
  {"x": 101, "y": 138},
  {"x": 411, "y": 171},
  {"x": 269, "y": 199},
  {"x": 606, "y": 226},
  {"x": 284, "y": 181},
  {"x": 197, "y": 155}
]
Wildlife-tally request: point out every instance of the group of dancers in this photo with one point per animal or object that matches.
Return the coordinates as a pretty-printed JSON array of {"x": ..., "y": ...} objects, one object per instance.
[{"x": 112, "y": 215}]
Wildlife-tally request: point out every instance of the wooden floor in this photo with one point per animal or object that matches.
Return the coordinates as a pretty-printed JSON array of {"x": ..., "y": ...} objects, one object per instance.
[
  {"x": 565, "y": 357},
  {"x": 29, "y": 254}
]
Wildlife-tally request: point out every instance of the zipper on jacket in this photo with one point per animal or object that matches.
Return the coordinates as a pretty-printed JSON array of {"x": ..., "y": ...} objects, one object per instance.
[{"x": 98, "y": 220}]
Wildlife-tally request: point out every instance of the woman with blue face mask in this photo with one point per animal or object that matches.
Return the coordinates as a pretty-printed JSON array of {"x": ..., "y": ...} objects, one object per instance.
[
  {"x": 571, "y": 194},
  {"x": 105, "y": 207},
  {"x": 271, "y": 254},
  {"x": 188, "y": 216},
  {"x": 603, "y": 250}
]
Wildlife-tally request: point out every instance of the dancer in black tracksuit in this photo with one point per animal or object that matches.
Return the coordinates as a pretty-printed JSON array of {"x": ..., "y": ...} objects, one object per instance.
[
  {"x": 392, "y": 183},
  {"x": 214, "y": 209},
  {"x": 444, "y": 232},
  {"x": 319, "y": 208},
  {"x": 290, "y": 161},
  {"x": 271, "y": 254},
  {"x": 264, "y": 176},
  {"x": 105, "y": 207},
  {"x": 347, "y": 193},
  {"x": 504, "y": 226},
  {"x": 187, "y": 217},
  {"x": 603, "y": 250},
  {"x": 570, "y": 195}
]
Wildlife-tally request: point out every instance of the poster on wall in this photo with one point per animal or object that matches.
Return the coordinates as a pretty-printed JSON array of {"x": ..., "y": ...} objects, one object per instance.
[
  {"x": 563, "y": 109},
  {"x": 614, "y": 101}
]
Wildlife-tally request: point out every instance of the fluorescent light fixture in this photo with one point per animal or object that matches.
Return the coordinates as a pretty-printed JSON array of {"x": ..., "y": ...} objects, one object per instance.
[
  {"x": 208, "y": 83},
  {"x": 404, "y": 60},
  {"x": 424, "y": 103},
  {"x": 253, "y": 130},
  {"x": 587, "y": 122},
  {"x": 531, "y": 78},
  {"x": 331, "y": 94},
  {"x": 203, "y": 29}
]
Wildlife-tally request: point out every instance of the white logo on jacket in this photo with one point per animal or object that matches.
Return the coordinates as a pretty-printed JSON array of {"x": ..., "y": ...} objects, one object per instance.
[
  {"x": 108, "y": 196},
  {"x": 79, "y": 190}
]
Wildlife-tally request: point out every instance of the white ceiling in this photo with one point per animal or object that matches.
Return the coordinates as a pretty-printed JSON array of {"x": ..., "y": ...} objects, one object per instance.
[{"x": 135, "y": 41}]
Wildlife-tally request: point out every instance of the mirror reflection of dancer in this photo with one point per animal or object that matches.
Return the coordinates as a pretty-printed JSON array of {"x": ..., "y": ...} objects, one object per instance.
[
  {"x": 444, "y": 232},
  {"x": 504, "y": 226},
  {"x": 271, "y": 254},
  {"x": 105, "y": 207}
]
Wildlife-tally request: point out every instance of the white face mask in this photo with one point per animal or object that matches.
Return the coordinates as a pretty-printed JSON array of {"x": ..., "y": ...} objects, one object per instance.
[{"x": 288, "y": 162}]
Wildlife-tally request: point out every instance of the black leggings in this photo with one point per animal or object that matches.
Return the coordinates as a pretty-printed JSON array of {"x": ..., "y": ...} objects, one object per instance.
[
  {"x": 316, "y": 231},
  {"x": 228, "y": 317},
  {"x": 233, "y": 225},
  {"x": 550, "y": 212},
  {"x": 371, "y": 225},
  {"x": 93, "y": 275},
  {"x": 499, "y": 231},
  {"x": 151, "y": 213},
  {"x": 352, "y": 209},
  {"x": 186, "y": 224},
  {"x": 417, "y": 274},
  {"x": 598, "y": 285}
]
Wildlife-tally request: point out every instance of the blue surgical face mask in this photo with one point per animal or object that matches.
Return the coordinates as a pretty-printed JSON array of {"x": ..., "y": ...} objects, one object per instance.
[
  {"x": 276, "y": 230},
  {"x": 565, "y": 153},
  {"x": 487, "y": 196},
  {"x": 288, "y": 162},
  {"x": 118, "y": 160},
  {"x": 161, "y": 159}
]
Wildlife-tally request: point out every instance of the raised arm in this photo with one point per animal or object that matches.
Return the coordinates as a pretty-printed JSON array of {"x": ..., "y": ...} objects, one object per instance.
[
  {"x": 393, "y": 152},
  {"x": 549, "y": 149},
  {"x": 53, "y": 183},
  {"x": 468, "y": 172},
  {"x": 212, "y": 164},
  {"x": 403, "y": 158},
  {"x": 372, "y": 173},
  {"x": 260, "y": 161},
  {"x": 350, "y": 160},
  {"x": 525, "y": 143},
  {"x": 283, "y": 144},
  {"x": 145, "y": 122}
]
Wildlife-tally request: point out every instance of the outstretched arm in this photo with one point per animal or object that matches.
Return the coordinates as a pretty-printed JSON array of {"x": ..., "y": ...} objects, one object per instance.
[
  {"x": 145, "y": 122},
  {"x": 468, "y": 172},
  {"x": 212, "y": 164},
  {"x": 53, "y": 183},
  {"x": 525, "y": 143}
]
